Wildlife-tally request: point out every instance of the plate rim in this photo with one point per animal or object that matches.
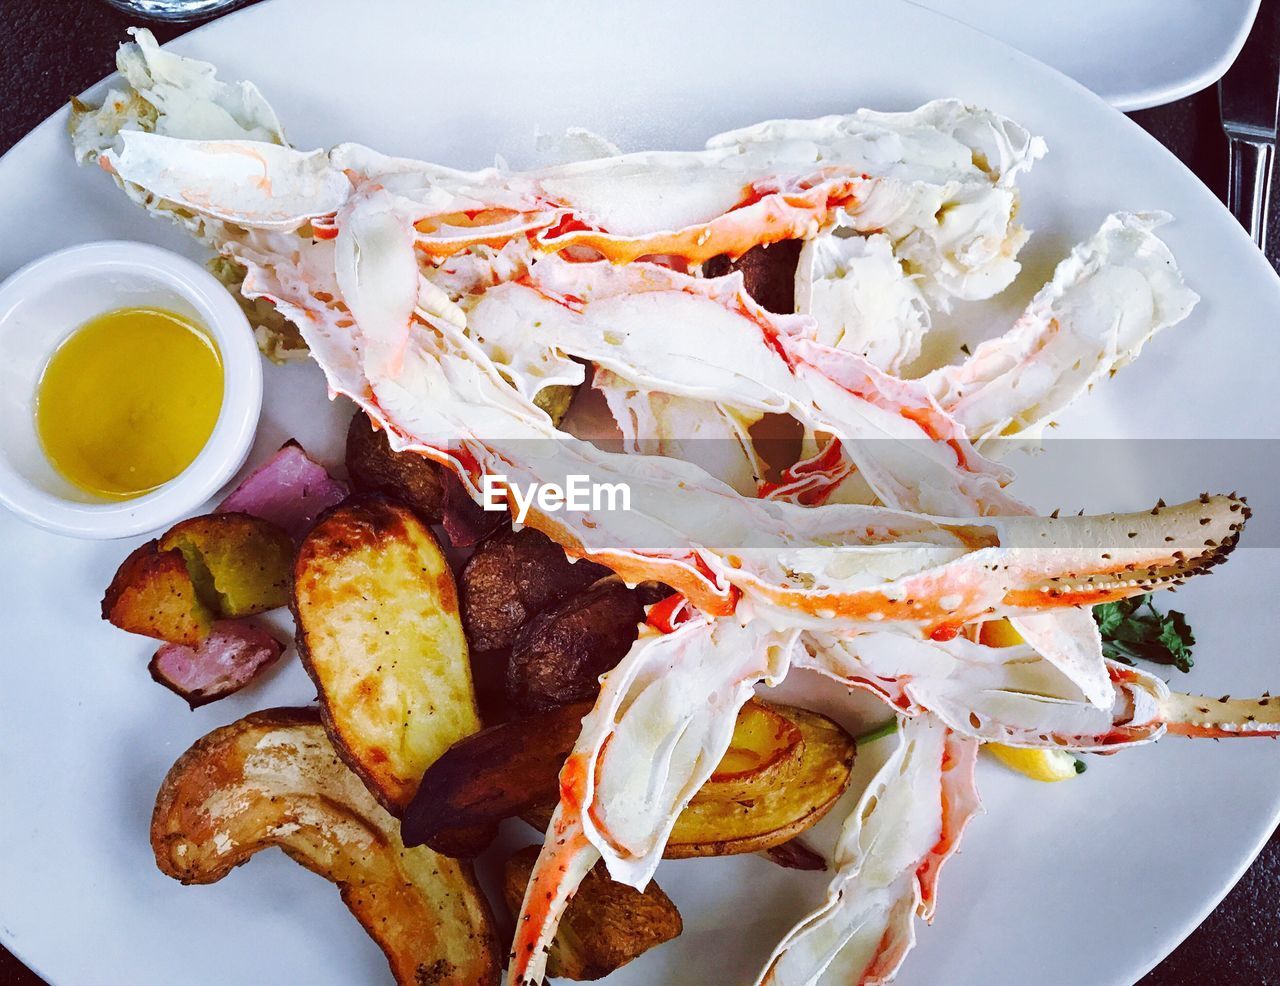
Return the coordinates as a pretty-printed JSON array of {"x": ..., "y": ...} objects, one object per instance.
[{"x": 1208, "y": 904}]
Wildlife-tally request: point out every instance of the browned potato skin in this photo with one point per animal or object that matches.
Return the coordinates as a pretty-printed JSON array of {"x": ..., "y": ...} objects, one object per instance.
[
  {"x": 711, "y": 827},
  {"x": 378, "y": 632},
  {"x": 247, "y": 558},
  {"x": 606, "y": 924},
  {"x": 424, "y": 911},
  {"x": 514, "y": 768},
  {"x": 768, "y": 273},
  {"x": 493, "y": 774},
  {"x": 152, "y": 594},
  {"x": 513, "y": 576},
  {"x": 715, "y": 827},
  {"x": 374, "y": 468},
  {"x": 558, "y": 657}
]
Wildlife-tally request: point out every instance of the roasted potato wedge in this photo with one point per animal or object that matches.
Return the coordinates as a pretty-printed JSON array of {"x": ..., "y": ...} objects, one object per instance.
[
  {"x": 378, "y": 631},
  {"x": 495, "y": 774},
  {"x": 240, "y": 564},
  {"x": 153, "y": 594},
  {"x": 710, "y": 827},
  {"x": 374, "y": 468},
  {"x": 273, "y": 779},
  {"x": 766, "y": 752},
  {"x": 605, "y": 926},
  {"x": 511, "y": 578},
  {"x": 514, "y": 769},
  {"x": 715, "y": 827},
  {"x": 558, "y": 657}
]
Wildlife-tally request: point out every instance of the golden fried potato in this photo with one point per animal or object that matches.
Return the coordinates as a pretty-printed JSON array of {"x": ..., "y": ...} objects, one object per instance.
[
  {"x": 714, "y": 827},
  {"x": 406, "y": 476},
  {"x": 273, "y": 779},
  {"x": 765, "y": 753},
  {"x": 378, "y": 631},
  {"x": 239, "y": 563},
  {"x": 153, "y": 594},
  {"x": 514, "y": 769},
  {"x": 605, "y": 926}
]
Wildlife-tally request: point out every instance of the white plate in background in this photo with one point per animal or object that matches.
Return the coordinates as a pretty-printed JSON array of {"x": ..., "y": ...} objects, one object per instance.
[
  {"x": 1132, "y": 53},
  {"x": 1087, "y": 882}
]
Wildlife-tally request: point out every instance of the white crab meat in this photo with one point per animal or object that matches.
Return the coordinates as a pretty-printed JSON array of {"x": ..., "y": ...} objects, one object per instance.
[
  {"x": 1105, "y": 301},
  {"x": 861, "y": 299},
  {"x": 903, "y": 828}
]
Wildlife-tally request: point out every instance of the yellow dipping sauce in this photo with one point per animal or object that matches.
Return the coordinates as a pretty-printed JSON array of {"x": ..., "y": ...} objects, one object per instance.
[{"x": 128, "y": 401}]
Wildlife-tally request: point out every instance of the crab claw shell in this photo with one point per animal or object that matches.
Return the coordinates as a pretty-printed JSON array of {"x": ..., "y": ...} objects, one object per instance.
[
  {"x": 1114, "y": 556},
  {"x": 1013, "y": 566},
  {"x": 1198, "y": 716},
  {"x": 247, "y": 182},
  {"x": 903, "y": 828}
]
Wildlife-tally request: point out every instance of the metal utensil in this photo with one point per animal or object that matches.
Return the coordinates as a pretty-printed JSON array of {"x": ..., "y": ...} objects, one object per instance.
[
  {"x": 1248, "y": 96},
  {"x": 175, "y": 11}
]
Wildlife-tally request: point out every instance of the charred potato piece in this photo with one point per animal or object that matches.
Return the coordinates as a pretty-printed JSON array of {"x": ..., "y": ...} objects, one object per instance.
[
  {"x": 766, "y": 752},
  {"x": 495, "y": 774},
  {"x": 240, "y": 564},
  {"x": 513, "y": 576},
  {"x": 375, "y": 468},
  {"x": 713, "y": 827},
  {"x": 379, "y": 633},
  {"x": 273, "y": 779},
  {"x": 559, "y": 656},
  {"x": 795, "y": 855},
  {"x": 768, "y": 273},
  {"x": 153, "y": 594},
  {"x": 605, "y": 926},
  {"x": 465, "y": 521},
  {"x": 514, "y": 769}
]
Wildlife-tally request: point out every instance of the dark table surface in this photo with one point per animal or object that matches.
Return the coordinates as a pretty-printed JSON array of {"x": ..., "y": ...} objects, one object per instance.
[{"x": 53, "y": 49}]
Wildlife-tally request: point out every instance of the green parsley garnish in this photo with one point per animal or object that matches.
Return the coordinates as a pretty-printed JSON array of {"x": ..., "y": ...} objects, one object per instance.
[
  {"x": 1133, "y": 629},
  {"x": 879, "y": 732}
]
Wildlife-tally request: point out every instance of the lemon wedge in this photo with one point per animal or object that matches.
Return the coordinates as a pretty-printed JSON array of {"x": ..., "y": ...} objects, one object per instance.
[{"x": 1038, "y": 764}]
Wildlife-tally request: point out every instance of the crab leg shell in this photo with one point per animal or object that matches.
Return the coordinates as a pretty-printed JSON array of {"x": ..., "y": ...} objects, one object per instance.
[
  {"x": 1017, "y": 565},
  {"x": 172, "y": 95},
  {"x": 903, "y": 828},
  {"x": 247, "y": 182},
  {"x": 735, "y": 353},
  {"x": 564, "y": 862},
  {"x": 1010, "y": 695},
  {"x": 766, "y": 216},
  {"x": 1112, "y": 294},
  {"x": 664, "y": 718},
  {"x": 1070, "y": 640},
  {"x": 1198, "y": 716}
]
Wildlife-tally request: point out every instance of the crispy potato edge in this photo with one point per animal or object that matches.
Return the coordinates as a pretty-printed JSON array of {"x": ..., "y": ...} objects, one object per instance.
[
  {"x": 201, "y": 763},
  {"x": 385, "y": 517}
]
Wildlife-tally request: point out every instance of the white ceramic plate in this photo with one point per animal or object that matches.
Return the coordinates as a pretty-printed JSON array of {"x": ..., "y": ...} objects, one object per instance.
[
  {"x": 1090, "y": 881},
  {"x": 1132, "y": 53}
]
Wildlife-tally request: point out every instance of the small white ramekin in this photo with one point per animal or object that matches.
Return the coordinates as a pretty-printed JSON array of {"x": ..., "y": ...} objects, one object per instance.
[{"x": 45, "y": 302}]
